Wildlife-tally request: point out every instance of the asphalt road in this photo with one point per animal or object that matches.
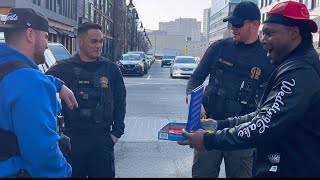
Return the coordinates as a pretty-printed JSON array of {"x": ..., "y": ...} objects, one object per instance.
[{"x": 153, "y": 101}]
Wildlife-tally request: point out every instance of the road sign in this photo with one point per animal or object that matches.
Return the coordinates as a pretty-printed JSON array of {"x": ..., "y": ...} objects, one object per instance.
[{"x": 186, "y": 50}]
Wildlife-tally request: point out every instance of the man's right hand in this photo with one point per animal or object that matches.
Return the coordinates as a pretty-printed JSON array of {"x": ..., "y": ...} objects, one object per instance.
[
  {"x": 208, "y": 121},
  {"x": 203, "y": 111},
  {"x": 67, "y": 95}
]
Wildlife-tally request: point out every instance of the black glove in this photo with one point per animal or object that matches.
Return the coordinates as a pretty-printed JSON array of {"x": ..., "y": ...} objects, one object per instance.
[{"x": 65, "y": 145}]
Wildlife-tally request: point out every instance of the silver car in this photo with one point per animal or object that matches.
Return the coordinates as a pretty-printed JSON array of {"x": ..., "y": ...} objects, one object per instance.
[{"x": 183, "y": 66}]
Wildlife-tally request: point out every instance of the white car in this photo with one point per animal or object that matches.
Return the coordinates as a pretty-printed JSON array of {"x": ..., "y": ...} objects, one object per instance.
[{"x": 183, "y": 66}]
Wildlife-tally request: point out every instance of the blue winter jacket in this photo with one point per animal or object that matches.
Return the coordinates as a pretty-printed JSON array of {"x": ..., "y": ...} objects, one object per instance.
[{"x": 28, "y": 108}]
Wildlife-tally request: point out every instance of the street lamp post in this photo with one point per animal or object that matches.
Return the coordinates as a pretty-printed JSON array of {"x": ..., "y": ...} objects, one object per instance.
[{"x": 130, "y": 5}]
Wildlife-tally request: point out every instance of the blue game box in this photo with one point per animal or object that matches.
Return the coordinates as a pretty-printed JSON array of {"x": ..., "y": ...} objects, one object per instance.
[{"x": 173, "y": 130}]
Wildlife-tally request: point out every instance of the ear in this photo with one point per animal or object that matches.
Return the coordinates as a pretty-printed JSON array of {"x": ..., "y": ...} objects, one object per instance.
[
  {"x": 79, "y": 40},
  {"x": 256, "y": 24},
  {"x": 30, "y": 35},
  {"x": 294, "y": 33}
]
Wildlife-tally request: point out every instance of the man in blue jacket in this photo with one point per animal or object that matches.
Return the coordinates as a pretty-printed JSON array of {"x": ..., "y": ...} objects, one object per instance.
[{"x": 29, "y": 107}]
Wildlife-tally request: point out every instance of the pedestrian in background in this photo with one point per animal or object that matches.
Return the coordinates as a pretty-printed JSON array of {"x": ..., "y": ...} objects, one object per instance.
[
  {"x": 98, "y": 123},
  {"x": 238, "y": 68},
  {"x": 285, "y": 128},
  {"x": 29, "y": 106}
]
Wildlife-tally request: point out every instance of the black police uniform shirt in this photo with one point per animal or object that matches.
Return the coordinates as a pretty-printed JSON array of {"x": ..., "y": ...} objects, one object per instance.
[
  {"x": 98, "y": 87},
  {"x": 238, "y": 74}
]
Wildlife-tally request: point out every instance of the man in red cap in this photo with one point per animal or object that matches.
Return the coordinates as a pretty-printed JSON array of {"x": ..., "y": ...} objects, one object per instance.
[{"x": 284, "y": 128}]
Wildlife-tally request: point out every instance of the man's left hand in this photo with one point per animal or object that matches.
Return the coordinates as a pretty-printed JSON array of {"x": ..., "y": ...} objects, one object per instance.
[
  {"x": 195, "y": 140},
  {"x": 67, "y": 95},
  {"x": 114, "y": 138}
]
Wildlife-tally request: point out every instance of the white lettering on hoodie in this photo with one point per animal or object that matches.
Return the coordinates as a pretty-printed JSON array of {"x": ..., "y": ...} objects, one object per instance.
[{"x": 263, "y": 122}]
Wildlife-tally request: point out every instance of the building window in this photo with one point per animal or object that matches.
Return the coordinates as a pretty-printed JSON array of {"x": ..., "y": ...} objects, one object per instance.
[
  {"x": 37, "y": 2},
  {"x": 313, "y": 4}
]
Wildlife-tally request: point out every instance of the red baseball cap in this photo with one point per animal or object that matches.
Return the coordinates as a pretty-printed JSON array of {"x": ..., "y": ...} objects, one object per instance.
[{"x": 294, "y": 10}]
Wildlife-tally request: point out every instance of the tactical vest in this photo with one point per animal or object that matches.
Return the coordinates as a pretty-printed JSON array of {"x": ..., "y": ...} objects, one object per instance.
[
  {"x": 236, "y": 83},
  {"x": 9, "y": 146},
  {"x": 94, "y": 96}
]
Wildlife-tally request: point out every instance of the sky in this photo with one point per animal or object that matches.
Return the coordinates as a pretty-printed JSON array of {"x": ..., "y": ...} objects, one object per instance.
[{"x": 151, "y": 12}]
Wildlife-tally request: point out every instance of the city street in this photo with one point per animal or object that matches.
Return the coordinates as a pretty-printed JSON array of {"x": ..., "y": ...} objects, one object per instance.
[{"x": 152, "y": 101}]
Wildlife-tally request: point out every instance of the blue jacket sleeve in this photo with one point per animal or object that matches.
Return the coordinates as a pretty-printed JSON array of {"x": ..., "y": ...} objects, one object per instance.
[
  {"x": 56, "y": 81},
  {"x": 34, "y": 110}
]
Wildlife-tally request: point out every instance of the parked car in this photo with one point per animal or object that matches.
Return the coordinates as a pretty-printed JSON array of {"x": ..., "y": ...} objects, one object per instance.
[
  {"x": 59, "y": 51},
  {"x": 167, "y": 60},
  {"x": 151, "y": 58},
  {"x": 50, "y": 60},
  {"x": 183, "y": 66},
  {"x": 146, "y": 61},
  {"x": 132, "y": 64}
]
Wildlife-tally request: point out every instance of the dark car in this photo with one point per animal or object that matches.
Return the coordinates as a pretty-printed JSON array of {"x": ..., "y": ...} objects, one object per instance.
[
  {"x": 167, "y": 60},
  {"x": 144, "y": 56},
  {"x": 132, "y": 64}
]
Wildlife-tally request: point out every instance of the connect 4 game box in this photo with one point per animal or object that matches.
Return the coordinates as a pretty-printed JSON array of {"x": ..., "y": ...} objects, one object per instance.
[{"x": 173, "y": 130}]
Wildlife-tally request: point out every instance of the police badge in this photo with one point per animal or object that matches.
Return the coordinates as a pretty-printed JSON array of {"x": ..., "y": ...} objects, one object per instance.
[{"x": 104, "y": 82}]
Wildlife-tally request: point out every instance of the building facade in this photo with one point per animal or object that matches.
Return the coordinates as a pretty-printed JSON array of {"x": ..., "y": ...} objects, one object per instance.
[
  {"x": 312, "y": 5},
  {"x": 62, "y": 16},
  {"x": 206, "y": 23},
  {"x": 165, "y": 44},
  {"x": 220, "y": 10},
  {"x": 65, "y": 16},
  {"x": 189, "y": 27}
]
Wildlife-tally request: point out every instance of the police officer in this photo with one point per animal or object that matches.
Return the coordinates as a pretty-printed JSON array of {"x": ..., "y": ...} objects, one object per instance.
[
  {"x": 238, "y": 69},
  {"x": 284, "y": 128},
  {"x": 98, "y": 123}
]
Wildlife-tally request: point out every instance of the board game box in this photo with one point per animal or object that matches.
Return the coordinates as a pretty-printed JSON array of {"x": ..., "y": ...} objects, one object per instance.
[{"x": 173, "y": 130}]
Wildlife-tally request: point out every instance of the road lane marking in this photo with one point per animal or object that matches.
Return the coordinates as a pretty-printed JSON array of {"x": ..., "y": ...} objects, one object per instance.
[{"x": 148, "y": 77}]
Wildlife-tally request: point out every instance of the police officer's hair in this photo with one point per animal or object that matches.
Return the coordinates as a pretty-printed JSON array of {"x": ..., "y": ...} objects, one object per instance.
[
  {"x": 85, "y": 27},
  {"x": 14, "y": 35}
]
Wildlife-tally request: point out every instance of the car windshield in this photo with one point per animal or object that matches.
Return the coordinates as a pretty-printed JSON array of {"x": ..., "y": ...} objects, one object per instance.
[
  {"x": 59, "y": 52},
  {"x": 185, "y": 60},
  {"x": 131, "y": 57},
  {"x": 168, "y": 57},
  {"x": 140, "y": 53}
]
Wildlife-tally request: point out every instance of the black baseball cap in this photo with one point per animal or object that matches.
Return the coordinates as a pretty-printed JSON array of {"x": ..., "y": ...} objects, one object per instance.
[
  {"x": 245, "y": 10},
  {"x": 25, "y": 18}
]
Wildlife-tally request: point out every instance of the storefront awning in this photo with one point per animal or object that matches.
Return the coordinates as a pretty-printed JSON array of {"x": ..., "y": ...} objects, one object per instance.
[
  {"x": 52, "y": 31},
  {"x": 64, "y": 32}
]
